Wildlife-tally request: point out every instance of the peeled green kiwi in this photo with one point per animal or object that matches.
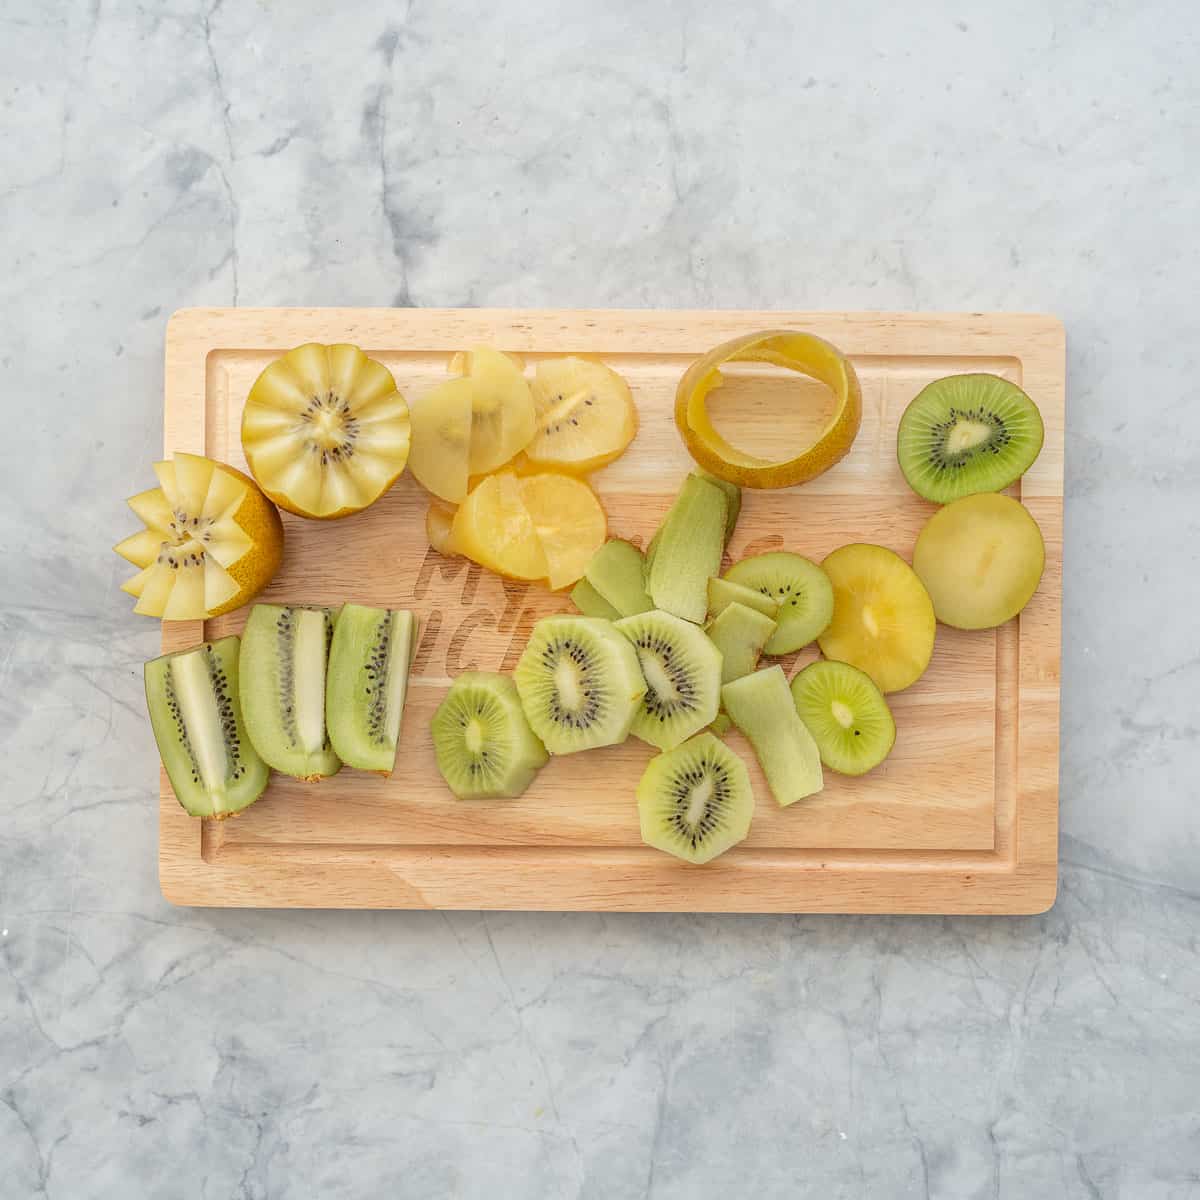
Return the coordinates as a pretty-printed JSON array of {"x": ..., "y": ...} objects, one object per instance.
[
  {"x": 740, "y": 633},
  {"x": 193, "y": 701},
  {"x": 967, "y": 434},
  {"x": 281, "y": 685},
  {"x": 485, "y": 748},
  {"x": 695, "y": 801},
  {"x": 591, "y": 603},
  {"x": 846, "y": 714},
  {"x": 800, "y": 588},
  {"x": 366, "y": 684},
  {"x": 682, "y": 669},
  {"x": 580, "y": 683},
  {"x": 687, "y": 550},
  {"x": 617, "y": 573}
]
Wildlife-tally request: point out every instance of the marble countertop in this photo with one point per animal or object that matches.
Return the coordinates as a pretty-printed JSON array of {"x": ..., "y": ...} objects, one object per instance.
[{"x": 1024, "y": 156}]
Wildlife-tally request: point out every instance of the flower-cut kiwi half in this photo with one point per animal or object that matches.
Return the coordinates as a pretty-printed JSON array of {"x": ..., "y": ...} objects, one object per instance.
[
  {"x": 883, "y": 621},
  {"x": 485, "y": 748},
  {"x": 211, "y": 541},
  {"x": 324, "y": 430},
  {"x": 801, "y": 352},
  {"x": 695, "y": 801},
  {"x": 966, "y": 434},
  {"x": 585, "y": 415},
  {"x": 981, "y": 558},
  {"x": 846, "y": 714}
]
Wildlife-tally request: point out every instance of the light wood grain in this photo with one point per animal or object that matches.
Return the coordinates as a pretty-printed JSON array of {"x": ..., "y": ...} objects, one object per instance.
[{"x": 961, "y": 818}]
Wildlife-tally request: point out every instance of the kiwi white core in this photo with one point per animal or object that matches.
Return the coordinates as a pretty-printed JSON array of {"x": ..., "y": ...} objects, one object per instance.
[
  {"x": 568, "y": 682},
  {"x": 966, "y": 435},
  {"x": 309, "y": 696},
  {"x": 397, "y": 678},
  {"x": 698, "y": 801},
  {"x": 842, "y": 714},
  {"x": 870, "y": 622},
  {"x": 659, "y": 681},
  {"x": 198, "y": 708}
]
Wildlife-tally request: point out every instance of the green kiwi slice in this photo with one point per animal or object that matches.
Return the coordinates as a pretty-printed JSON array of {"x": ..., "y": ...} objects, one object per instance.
[
  {"x": 723, "y": 592},
  {"x": 740, "y": 633},
  {"x": 580, "y": 683},
  {"x": 695, "y": 801},
  {"x": 281, "y": 684},
  {"x": 591, "y": 603},
  {"x": 682, "y": 669},
  {"x": 966, "y": 434},
  {"x": 800, "y": 588},
  {"x": 192, "y": 696},
  {"x": 846, "y": 714},
  {"x": 617, "y": 573},
  {"x": 761, "y": 706},
  {"x": 366, "y": 684},
  {"x": 484, "y": 746}
]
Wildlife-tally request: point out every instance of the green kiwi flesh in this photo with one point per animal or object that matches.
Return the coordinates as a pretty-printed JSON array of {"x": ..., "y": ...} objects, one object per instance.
[
  {"x": 966, "y": 434},
  {"x": 591, "y": 603},
  {"x": 740, "y": 633},
  {"x": 682, "y": 670},
  {"x": 801, "y": 589},
  {"x": 484, "y": 746},
  {"x": 761, "y": 706},
  {"x": 688, "y": 551},
  {"x": 366, "y": 683},
  {"x": 695, "y": 801},
  {"x": 723, "y": 592},
  {"x": 192, "y": 696},
  {"x": 846, "y": 714},
  {"x": 282, "y": 671},
  {"x": 617, "y": 572},
  {"x": 733, "y": 499},
  {"x": 580, "y": 683}
]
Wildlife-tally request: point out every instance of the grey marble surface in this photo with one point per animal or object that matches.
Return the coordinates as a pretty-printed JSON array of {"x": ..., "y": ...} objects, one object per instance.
[{"x": 1023, "y": 156}]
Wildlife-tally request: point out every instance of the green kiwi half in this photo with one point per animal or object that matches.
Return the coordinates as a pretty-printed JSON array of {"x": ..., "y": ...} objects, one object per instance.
[
  {"x": 281, "y": 684},
  {"x": 846, "y": 714},
  {"x": 193, "y": 701},
  {"x": 966, "y": 434}
]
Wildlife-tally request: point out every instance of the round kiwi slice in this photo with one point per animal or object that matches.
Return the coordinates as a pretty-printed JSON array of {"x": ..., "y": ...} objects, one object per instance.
[
  {"x": 579, "y": 682},
  {"x": 682, "y": 669},
  {"x": 484, "y": 746},
  {"x": 695, "y": 801},
  {"x": 847, "y": 715},
  {"x": 799, "y": 586},
  {"x": 966, "y": 434},
  {"x": 981, "y": 559}
]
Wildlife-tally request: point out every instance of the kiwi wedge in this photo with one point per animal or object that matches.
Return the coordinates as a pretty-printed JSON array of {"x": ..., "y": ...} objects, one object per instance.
[
  {"x": 617, "y": 573},
  {"x": 966, "y": 434},
  {"x": 682, "y": 669},
  {"x": 192, "y": 696},
  {"x": 695, "y": 801},
  {"x": 591, "y": 603},
  {"x": 739, "y": 633},
  {"x": 846, "y": 714},
  {"x": 484, "y": 746},
  {"x": 761, "y": 706},
  {"x": 687, "y": 550},
  {"x": 733, "y": 499},
  {"x": 800, "y": 588},
  {"x": 723, "y": 592},
  {"x": 981, "y": 559},
  {"x": 366, "y": 683},
  {"x": 579, "y": 682},
  {"x": 281, "y": 684}
]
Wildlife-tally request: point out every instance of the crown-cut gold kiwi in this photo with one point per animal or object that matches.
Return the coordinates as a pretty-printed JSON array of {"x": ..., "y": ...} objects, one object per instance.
[
  {"x": 802, "y": 352},
  {"x": 585, "y": 415},
  {"x": 211, "y": 541},
  {"x": 981, "y": 559},
  {"x": 695, "y": 801},
  {"x": 325, "y": 431},
  {"x": 966, "y": 434},
  {"x": 883, "y": 620}
]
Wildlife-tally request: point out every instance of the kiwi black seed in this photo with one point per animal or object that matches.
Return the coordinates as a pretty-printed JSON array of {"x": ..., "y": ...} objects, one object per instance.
[{"x": 966, "y": 434}]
